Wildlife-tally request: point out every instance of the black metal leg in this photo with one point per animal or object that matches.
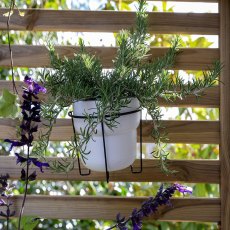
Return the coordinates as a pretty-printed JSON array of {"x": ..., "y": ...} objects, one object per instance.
[
  {"x": 141, "y": 160},
  {"x": 106, "y": 166},
  {"x": 78, "y": 159}
]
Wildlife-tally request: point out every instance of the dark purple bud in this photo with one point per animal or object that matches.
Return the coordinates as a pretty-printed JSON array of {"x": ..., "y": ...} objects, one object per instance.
[
  {"x": 20, "y": 159},
  {"x": 3, "y": 181},
  {"x": 28, "y": 80},
  {"x": 34, "y": 129},
  {"x": 3, "y": 214},
  {"x": 32, "y": 176},
  {"x": 24, "y": 139},
  {"x": 23, "y": 175},
  {"x": 136, "y": 220}
]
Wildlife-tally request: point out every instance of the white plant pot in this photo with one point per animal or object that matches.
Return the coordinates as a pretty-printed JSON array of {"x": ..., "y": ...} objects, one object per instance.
[{"x": 120, "y": 142}]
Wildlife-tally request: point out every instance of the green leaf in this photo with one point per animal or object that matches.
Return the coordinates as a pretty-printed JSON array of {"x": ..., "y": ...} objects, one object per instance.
[
  {"x": 29, "y": 222},
  {"x": 8, "y": 104}
]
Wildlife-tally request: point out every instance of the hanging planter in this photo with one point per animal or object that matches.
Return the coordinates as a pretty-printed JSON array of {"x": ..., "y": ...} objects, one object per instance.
[
  {"x": 115, "y": 148},
  {"x": 82, "y": 77}
]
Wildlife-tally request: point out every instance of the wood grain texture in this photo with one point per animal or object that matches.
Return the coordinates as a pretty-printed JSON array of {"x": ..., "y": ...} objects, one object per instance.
[
  {"x": 107, "y": 207},
  {"x": 200, "y": 132},
  {"x": 210, "y": 99},
  {"x": 192, "y": 171},
  {"x": 225, "y": 113},
  {"x": 207, "y": 1},
  {"x": 110, "y": 21},
  {"x": 38, "y": 56}
]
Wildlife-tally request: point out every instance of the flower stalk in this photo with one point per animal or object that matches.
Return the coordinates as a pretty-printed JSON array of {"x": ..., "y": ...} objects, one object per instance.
[
  {"x": 149, "y": 207},
  {"x": 5, "y": 200},
  {"x": 30, "y": 110}
]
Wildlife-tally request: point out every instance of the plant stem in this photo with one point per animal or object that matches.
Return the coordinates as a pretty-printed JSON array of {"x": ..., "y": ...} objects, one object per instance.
[
  {"x": 7, "y": 219},
  {"x": 26, "y": 188},
  {"x": 12, "y": 4},
  {"x": 7, "y": 216}
]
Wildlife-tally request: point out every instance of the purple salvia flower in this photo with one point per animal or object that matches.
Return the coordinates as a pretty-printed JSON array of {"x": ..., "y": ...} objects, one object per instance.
[
  {"x": 39, "y": 164},
  {"x": 150, "y": 206},
  {"x": 14, "y": 143},
  {"x": 38, "y": 88},
  {"x": 33, "y": 86},
  {"x": 183, "y": 189},
  {"x": 30, "y": 160}
]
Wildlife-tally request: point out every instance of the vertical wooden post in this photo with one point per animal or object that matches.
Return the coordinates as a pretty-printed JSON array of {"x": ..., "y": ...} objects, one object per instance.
[{"x": 225, "y": 113}]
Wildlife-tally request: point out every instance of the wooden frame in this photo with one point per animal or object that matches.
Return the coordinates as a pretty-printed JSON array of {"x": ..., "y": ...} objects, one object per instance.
[{"x": 217, "y": 132}]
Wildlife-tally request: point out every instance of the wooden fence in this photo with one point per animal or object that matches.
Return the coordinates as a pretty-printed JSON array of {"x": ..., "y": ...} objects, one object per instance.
[{"x": 196, "y": 171}]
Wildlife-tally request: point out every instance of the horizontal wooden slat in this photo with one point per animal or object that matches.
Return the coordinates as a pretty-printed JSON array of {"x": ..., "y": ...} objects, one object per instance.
[
  {"x": 192, "y": 171},
  {"x": 38, "y": 56},
  {"x": 207, "y": 1},
  {"x": 110, "y": 21},
  {"x": 200, "y": 132},
  {"x": 106, "y": 208},
  {"x": 210, "y": 99}
]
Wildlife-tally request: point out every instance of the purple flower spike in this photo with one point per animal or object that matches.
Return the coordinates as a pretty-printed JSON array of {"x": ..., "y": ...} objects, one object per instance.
[
  {"x": 183, "y": 189},
  {"x": 150, "y": 206}
]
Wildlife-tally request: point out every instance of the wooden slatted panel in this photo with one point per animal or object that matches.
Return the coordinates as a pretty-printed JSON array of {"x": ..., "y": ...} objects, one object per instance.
[
  {"x": 205, "y": 1},
  {"x": 192, "y": 171},
  {"x": 110, "y": 21},
  {"x": 38, "y": 56},
  {"x": 201, "y": 132},
  {"x": 67, "y": 207},
  {"x": 225, "y": 113},
  {"x": 107, "y": 207},
  {"x": 210, "y": 99}
]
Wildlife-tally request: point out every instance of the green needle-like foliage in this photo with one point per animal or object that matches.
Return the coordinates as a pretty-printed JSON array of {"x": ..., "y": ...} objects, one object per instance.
[{"x": 83, "y": 77}]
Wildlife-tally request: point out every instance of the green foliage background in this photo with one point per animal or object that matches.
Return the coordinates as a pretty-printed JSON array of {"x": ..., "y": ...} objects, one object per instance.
[{"x": 180, "y": 151}]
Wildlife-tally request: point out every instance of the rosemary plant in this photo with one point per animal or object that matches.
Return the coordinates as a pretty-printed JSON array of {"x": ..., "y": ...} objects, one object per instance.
[{"x": 83, "y": 77}]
